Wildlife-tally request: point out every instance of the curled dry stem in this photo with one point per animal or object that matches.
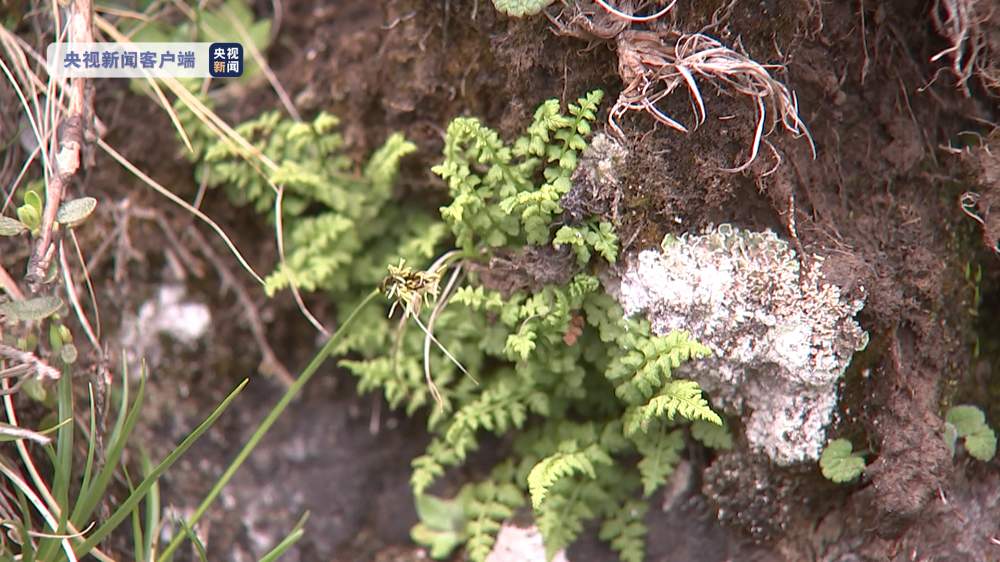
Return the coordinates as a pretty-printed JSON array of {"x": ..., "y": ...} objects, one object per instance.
[{"x": 630, "y": 17}]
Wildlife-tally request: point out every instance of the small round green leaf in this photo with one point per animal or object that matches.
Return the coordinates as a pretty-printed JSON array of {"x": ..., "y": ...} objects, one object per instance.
[
  {"x": 982, "y": 445},
  {"x": 29, "y": 310},
  {"x": 11, "y": 227},
  {"x": 74, "y": 212},
  {"x": 838, "y": 462},
  {"x": 34, "y": 200},
  {"x": 966, "y": 419},
  {"x": 29, "y": 216},
  {"x": 970, "y": 424}
]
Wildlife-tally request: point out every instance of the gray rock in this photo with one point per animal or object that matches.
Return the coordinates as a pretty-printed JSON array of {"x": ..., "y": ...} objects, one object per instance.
[{"x": 781, "y": 336}]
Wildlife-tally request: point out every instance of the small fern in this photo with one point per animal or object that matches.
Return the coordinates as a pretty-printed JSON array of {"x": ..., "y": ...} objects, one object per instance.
[
  {"x": 491, "y": 503},
  {"x": 582, "y": 390}
]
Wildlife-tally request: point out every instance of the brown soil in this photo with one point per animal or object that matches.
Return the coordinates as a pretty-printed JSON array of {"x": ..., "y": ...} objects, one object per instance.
[{"x": 881, "y": 200}]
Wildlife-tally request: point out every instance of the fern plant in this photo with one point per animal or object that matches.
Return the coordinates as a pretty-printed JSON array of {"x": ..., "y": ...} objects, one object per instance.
[{"x": 586, "y": 396}]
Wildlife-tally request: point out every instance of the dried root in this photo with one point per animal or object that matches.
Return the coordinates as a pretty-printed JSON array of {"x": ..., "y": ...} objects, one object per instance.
[
  {"x": 654, "y": 63},
  {"x": 965, "y": 24}
]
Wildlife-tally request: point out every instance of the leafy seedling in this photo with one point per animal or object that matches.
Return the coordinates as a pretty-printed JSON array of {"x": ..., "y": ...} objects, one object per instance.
[
  {"x": 30, "y": 213},
  {"x": 969, "y": 423},
  {"x": 840, "y": 463}
]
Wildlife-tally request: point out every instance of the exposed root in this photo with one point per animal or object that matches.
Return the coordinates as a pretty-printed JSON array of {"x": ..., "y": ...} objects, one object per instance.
[
  {"x": 633, "y": 18},
  {"x": 655, "y": 63},
  {"x": 965, "y": 24},
  {"x": 652, "y": 68}
]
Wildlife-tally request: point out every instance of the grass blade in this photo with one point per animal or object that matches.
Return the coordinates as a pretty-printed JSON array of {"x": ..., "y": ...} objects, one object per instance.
[
  {"x": 152, "y": 511},
  {"x": 63, "y": 462},
  {"x": 127, "y": 418},
  {"x": 284, "y": 545},
  {"x": 268, "y": 421},
  {"x": 147, "y": 483}
]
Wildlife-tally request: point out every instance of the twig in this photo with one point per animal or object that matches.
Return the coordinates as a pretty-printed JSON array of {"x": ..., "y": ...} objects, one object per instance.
[
  {"x": 9, "y": 285},
  {"x": 43, "y": 369},
  {"x": 70, "y": 141},
  {"x": 270, "y": 364}
]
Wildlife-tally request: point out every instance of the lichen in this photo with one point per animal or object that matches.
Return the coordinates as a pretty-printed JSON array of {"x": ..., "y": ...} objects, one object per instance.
[{"x": 781, "y": 335}]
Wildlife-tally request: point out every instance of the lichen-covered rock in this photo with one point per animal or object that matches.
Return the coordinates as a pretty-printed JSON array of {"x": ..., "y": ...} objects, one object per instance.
[{"x": 781, "y": 335}]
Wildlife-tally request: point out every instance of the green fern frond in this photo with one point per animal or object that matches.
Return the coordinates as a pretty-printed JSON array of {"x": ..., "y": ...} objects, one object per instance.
[
  {"x": 320, "y": 247},
  {"x": 711, "y": 435},
  {"x": 383, "y": 166},
  {"x": 646, "y": 363},
  {"x": 678, "y": 397},
  {"x": 498, "y": 206},
  {"x": 490, "y": 504},
  {"x": 431, "y": 465},
  {"x": 569, "y": 461},
  {"x": 626, "y": 531},
  {"x": 589, "y": 238},
  {"x": 498, "y": 409},
  {"x": 661, "y": 451}
]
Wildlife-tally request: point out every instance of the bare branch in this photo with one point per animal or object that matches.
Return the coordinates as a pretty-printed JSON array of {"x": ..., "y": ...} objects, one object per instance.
[{"x": 69, "y": 142}]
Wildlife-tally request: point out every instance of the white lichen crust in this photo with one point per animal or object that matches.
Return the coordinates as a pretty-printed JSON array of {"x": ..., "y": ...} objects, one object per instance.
[{"x": 781, "y": 335}]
